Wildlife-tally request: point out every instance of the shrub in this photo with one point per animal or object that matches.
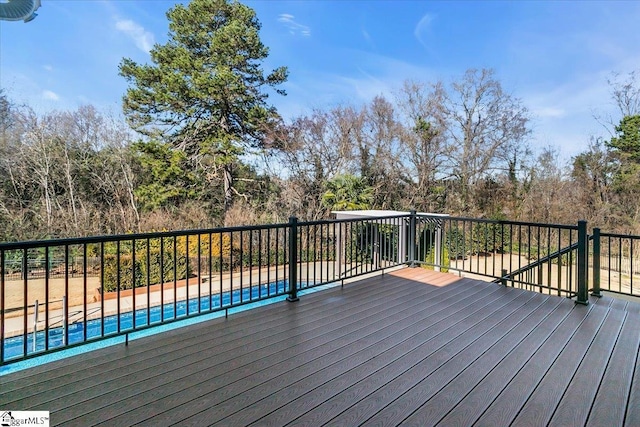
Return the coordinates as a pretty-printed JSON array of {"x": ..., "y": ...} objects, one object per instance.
[{"x": 144, "y": 268}]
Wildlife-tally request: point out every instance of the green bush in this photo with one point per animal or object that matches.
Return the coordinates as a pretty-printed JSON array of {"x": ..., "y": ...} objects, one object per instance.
[
  {"x": 429, "y": 259},
  {"x": 141, "y": 271},
  {"x": 426, "y": 250}
]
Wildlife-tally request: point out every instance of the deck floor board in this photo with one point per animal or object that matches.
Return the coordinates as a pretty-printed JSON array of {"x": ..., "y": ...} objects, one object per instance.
[{"x": 411, "y": 347}]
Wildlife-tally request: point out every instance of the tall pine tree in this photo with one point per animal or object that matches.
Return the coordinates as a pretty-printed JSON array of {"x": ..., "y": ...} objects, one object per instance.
[{"x": 205, "y": 92}]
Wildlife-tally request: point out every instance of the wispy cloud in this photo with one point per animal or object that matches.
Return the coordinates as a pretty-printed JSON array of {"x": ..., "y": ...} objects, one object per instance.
[
  {"x": 422, "y": 28},
  {"x": 549, "y": 112},
  {"x": 47, "y": 67},
  {"x": 143, "y": 39},
  {"x": 50, "y": 95},
  {"x": 293, "y": 26}
]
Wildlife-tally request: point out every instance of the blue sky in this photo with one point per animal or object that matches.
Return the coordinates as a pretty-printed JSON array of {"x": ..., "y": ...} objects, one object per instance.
[{"x": 555, "y": 56}]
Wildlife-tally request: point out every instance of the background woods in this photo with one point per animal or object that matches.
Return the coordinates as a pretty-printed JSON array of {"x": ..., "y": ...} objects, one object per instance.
[{"x": 200, "y": 144}]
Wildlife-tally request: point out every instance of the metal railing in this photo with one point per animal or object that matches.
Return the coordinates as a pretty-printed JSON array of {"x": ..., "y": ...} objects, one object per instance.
[
  {"x": 616, "y": 263},
  {"x": 115, "y": 285},
  {"x": 89, "y": 289},
  {"x": 534, "y": 256}
]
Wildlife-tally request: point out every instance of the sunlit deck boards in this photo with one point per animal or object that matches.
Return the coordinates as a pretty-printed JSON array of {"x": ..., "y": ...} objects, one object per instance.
[{"x": 412, "y": 347}]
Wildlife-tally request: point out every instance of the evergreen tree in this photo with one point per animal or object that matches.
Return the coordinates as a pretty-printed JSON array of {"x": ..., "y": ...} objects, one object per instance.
[{"x": 205, "y": 92}]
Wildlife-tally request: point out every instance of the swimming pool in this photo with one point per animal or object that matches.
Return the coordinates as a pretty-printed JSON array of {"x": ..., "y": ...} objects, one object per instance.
[{"x": 14, "y": 347}]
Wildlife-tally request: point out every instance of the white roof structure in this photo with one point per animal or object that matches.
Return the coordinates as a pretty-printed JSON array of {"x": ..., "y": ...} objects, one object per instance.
[
  {"x": 403, "y": 236},
  {"x": 19, "y": 10},
  {"x": 375, "y": 213}
]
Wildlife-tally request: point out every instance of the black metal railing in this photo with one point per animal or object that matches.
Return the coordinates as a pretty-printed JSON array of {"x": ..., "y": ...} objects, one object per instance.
[
  {"x": 61, "y": 293},
  {"x": 616, "y": 263},
  {"x": 56, "y": 294},
  {"x": 535, "y": 256}
]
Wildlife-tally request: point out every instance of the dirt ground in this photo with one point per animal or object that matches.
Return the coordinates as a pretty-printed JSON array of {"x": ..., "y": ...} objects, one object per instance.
[{"x": 14, "y": 297}]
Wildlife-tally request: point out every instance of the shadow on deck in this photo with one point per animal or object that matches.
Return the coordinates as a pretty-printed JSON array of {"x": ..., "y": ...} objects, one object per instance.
[{"x": 412, "y": 347}]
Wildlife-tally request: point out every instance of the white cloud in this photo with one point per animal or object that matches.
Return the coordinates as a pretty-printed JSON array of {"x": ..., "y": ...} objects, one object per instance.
[
  {"x": 50, "y": 95},
  {"x": 420, "y": 32},
  {"x": 47, "y": 67},
  {"x": 143, "y": 39},
  {"x": 563, "y": 114},
  {"x": 366, "y": 35},
  {"x": 293, "y": 26},
  {"x": 554, "y": 112}
]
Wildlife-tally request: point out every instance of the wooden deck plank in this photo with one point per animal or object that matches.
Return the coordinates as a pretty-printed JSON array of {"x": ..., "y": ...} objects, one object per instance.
[
  {"x": 616, "y": 382},
  {"x": 632, "y": 417},
  {"x": 557, "y": 326},
  {"x": 390, "y": 403},
  {"x": 264, "y": 349},
  {"x": 224, "y": 333},
  {"x": 287, "y": 374},
  {"x": 518, "y": 391},
  {"x": 382, "y": 366},
  {"x": 411, "y": 347},
  {"x": 569, "y": 387},
  {"x": 446, "y": 399},
  {"x": 306, "y": 338}
]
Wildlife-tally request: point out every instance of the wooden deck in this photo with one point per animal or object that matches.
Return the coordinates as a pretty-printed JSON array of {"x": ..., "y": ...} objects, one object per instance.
[{"x": 411, "y": 347}]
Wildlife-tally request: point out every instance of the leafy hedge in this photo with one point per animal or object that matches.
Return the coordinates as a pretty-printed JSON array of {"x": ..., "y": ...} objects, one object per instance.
[{"x": 145, "y": 268}]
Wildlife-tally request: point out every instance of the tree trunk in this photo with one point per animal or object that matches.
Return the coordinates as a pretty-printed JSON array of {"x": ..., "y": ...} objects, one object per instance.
[{"x": 228, "y": 187}]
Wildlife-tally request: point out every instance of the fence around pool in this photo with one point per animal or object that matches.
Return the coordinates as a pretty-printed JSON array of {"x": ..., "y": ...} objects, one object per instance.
[{"x": 61, "y": 293}]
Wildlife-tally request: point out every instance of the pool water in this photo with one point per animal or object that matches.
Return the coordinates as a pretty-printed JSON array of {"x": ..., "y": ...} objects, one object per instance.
[{"x": 14, "y": 347}]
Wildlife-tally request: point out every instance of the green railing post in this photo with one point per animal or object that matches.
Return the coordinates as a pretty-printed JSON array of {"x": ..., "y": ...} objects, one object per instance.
[
  {"x": 583, "y": 246},
  {"x": 293, "y": 259},
  {"x": 412, "y": 239},
  {"x": 595, "y": 291},
  {"x": 503, "y": 278}
]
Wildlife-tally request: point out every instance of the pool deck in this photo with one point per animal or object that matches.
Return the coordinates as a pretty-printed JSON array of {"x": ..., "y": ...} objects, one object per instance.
[{"x": 412, "y": 347}]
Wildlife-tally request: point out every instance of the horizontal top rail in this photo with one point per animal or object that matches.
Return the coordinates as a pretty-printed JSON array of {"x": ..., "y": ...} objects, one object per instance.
[
  {"x": 137, "y": 236},
  {"x": 348, "y": 220},
  {"x": 619, "y": 236},
  {"x": 175, "y": 233},
  {"x": 500, "y": 221}
]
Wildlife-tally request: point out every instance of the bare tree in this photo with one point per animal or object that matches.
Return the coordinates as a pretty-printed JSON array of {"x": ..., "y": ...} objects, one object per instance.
[
  {"x": 376, "y": 152},
  {"x": 423, "y": 143},
  {"x": 626, "y": 93},
  {"x": 483, "y": 122},
  {"x": 314, "y": 149}
]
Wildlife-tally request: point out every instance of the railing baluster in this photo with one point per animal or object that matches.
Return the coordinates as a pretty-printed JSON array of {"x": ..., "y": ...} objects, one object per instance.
[
  {"x": 25, "y": 297},
  {"x": 596, "y": 263},
  {"x": 46, "y": 298},
  {"x": 161, "y": 279},
  {"x": 221, "y": 263},
  {"x": 241, "y": 267},
  {"x": 133, "y": 283},
  {"x": 293, "y": 268},
  {"x": 118, "y": 283},
  {"x": 175, "y": 277},
  {"x": 84, "y": 287},
  {"x": 36, "y": 308},
  {"x": 187, "y": 275},
  {"x": 3, "y": 289},
  {"x": 65, "y": 309},
  {"x": 148, "y": 281},
  {"x": 199, "y": 273},
  {"x": 102, "y": 289},
  {"x": 583, "y": 243}
]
